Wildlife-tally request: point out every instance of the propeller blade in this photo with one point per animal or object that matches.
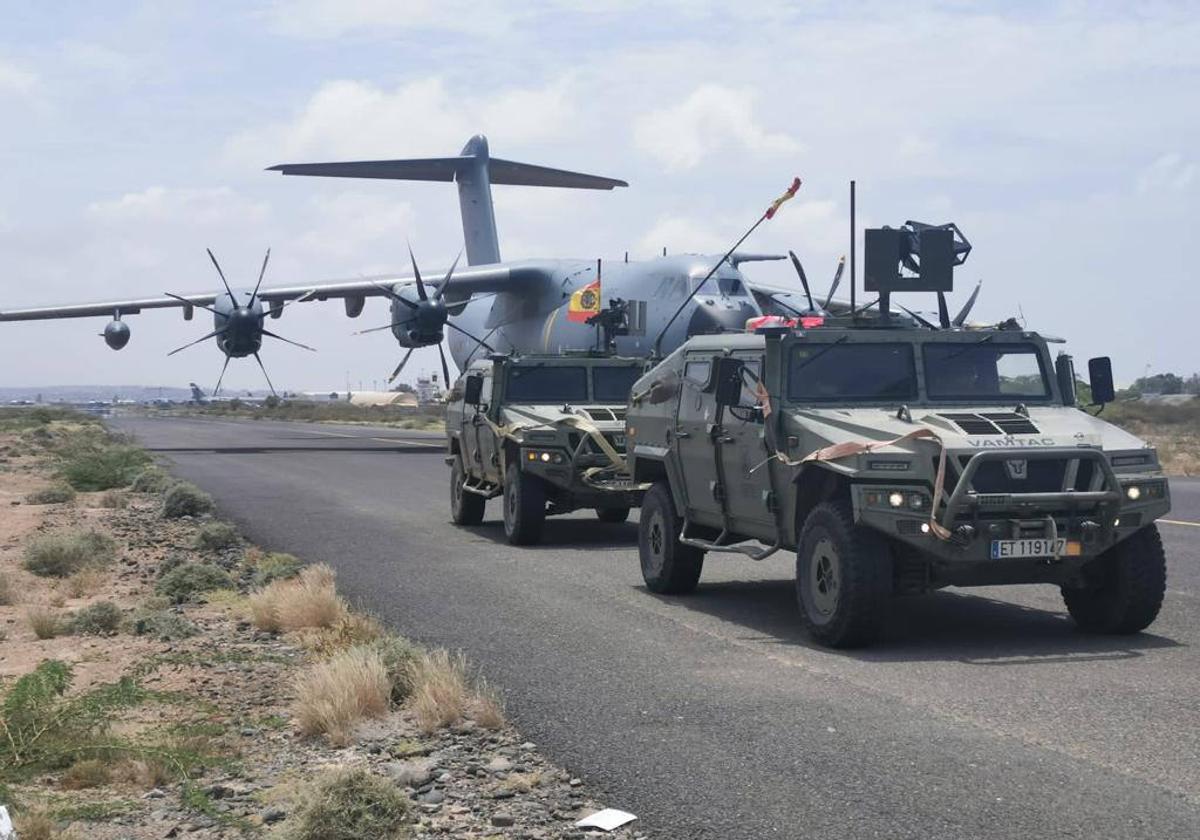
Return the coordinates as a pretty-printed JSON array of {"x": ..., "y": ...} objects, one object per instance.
[
  {"x": 221, "y": 378},
  {"x": 863, "y": 308},
  {"x": 446, "y": 283},
  {"x": 307, "y": 296},
  {"x": 387, "y": 291},
  {"x": 417, "y": 275},
  {"x": 943, "y": 312},
  {"x": 787, "y": 306},
  {"x": 190, "y": 303},
  {"x": 961, "y": 317},
  {"x": 478, "y": 341},
  {"x": 918, "y": 318},
  {"x": 288, "y": 340},
  {"x": 261, "y": 272},
  {"x": 265, "y": 376},
  {"x": 400, "y": 366},
  {"x": 217, "y": 265},
  {"x": 384, "y": 327},
  {"x": 803, "y": 280},
  {"x": 212, "y": 334},
  {"x": 837, "y": 278},
  {"x": 481, "y": 343},
  {"x": 445, "y": 368}
]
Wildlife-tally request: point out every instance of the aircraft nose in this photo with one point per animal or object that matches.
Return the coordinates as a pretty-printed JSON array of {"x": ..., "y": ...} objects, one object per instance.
[{"x": 713, "y": 316}]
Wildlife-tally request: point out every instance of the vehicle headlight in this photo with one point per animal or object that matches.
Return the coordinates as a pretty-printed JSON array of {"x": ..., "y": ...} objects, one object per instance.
[
  {"x": 896, "y": 499},
  {"x": 1145, "y": 490},
  {"x": 1133, "y": 492},
  {"x": 545, "y": 456}
]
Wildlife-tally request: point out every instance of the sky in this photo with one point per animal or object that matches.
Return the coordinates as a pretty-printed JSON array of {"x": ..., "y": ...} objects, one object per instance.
[{"x": 1063, "y": 138}]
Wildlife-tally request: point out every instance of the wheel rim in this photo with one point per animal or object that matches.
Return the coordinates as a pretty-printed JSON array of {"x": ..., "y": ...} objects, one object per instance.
[
  {"x": 511, "y": 503},
  {"x": 656, "y": 544},
  {"x": 824, "y": 577},
  {"x": 456, "y": 490}
]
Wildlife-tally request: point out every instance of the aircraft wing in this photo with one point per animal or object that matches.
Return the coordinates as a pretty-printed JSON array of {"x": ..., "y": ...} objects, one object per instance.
[
  {"x": 779, "y": 300},
  {"x": 465, "y": 283}
]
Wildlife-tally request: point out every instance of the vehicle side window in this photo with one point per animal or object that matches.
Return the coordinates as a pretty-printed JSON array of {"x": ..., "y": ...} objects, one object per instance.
[
  {"x": 485, "y": 393},
  {"x": 698, "y": 372},
  {"x": 694, "y": 403},
  {"x": 750, "y": 380}
]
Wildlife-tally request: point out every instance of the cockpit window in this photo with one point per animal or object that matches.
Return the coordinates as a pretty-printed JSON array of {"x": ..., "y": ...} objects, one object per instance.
[
  {"x": 731, "y": 286},
  {"x": 984, "y": 370},
  {"x": 547, "y": 384}
]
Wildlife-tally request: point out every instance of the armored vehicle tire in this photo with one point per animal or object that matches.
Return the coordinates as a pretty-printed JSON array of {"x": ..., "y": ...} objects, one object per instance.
[
  {"x": 465, "y": 508},
  {"x": 668, "y": 566},
  {"x": 612, "y": 515},
  {"x": 1125, "y": 586},
  {"x": 524, "y": 506},
  {"x": 843, "y": 578}
]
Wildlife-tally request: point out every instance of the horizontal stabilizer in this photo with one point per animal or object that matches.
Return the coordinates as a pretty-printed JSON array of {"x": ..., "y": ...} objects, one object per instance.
[{"x": 446, "y": 169}]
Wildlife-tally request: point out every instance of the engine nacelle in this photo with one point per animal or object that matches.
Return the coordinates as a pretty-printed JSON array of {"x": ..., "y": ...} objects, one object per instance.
[
  {"x": 416, "y": 322},
  {"x": 116, "y": 334}
]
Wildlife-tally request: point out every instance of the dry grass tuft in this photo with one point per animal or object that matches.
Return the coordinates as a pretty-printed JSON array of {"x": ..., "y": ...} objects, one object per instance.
[
  {"x": 44, "y": 622},
  {"x": 350, "y": 630},
  {"x": 487, "y": 706},
  {"x": 347, "y": 804},
  {"x": 36, "y": 825},
  {"x": 8, "y": 592},
  {"x": 308, "y": 600},
  {"x": 441, "y": 689},
  {"x": 334, "y": 695},
  {"x": 144, "y": 773},
  {"x": 114, "y": 500},
  {"x": 523, "y": 782},
  {"x": 90, "y": 773},
  {"x": 87, "y": 581}
]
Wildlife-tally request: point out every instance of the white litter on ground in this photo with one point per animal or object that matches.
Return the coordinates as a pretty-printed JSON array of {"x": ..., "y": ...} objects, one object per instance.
[
  {"x": 606, "y": 820},
  {"x": 6, "y": 827}
]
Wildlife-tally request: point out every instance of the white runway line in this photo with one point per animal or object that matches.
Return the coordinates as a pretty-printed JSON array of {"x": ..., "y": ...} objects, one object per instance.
[{"x": 1180, "y": 522}]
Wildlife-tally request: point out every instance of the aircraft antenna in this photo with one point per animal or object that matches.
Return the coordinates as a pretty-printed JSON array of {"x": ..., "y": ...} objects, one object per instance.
[
  {"x": 768, "y": 214},
  {"x": 853, "y": 274}
]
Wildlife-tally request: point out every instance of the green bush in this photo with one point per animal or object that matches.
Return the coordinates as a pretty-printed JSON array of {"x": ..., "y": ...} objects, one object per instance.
[
  {"x": 186, "y": 500},
  {"x": 99, "y": 619},
  {"x": 103, "y": 467},
  {"x": 276, "y": 566},
  {"x": 54, "y": 495},
  {"x": 170, "y": 563},
  {"x": 217, "y": 536},
  {"x": 400, "y": 658},
  {"x": 163, "y": 625},
  {"x": 350, "y": 805},
  {"x": 151, "y": 480},
  {"x": 184, "y": 583},
  {"x": 63, "y": 554}
]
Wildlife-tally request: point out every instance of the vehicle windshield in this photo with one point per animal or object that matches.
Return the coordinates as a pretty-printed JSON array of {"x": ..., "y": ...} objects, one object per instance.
[
  {"x": 613, "y": 384},
  {"x": 547, "y": 384},
  {"x": 852, "y": 372},
  {"x": 985, "y": 369}
]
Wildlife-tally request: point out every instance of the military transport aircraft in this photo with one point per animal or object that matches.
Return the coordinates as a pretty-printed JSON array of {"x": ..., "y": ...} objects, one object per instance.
[{"x": 536, "y": 305}]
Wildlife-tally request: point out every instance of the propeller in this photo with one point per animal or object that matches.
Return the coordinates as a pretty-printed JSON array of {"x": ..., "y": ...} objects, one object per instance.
[
  {"x": 428, "y": 315},
  {"x": 961, "y": 317},
  {"x": 239, "y": 327}
]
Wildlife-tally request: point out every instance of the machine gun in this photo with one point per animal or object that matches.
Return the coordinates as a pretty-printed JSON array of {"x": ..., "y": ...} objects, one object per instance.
[
  {"x": 610, "y": 323},
  {"x": 916, "y": 257}
]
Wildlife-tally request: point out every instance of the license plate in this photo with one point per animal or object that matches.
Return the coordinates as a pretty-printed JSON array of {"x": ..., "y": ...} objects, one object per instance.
[{"x": 1013, "y": 549}]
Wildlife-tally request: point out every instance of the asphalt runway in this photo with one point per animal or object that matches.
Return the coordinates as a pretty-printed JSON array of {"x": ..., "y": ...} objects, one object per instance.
[{"x": 984, "y": 713}]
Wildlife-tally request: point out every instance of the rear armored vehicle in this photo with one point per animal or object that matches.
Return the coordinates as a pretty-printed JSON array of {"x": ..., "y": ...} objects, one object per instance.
[
  {"x": 547, "y": 433},
  {"x": 895, "y": 455}
]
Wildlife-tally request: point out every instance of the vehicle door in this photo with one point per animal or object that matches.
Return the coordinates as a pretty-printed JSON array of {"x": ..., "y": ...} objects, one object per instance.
[
  {"x": 692, "y": 441},
  {"x": 481, "y": 435},
  {"x": 743, "y": 453}
]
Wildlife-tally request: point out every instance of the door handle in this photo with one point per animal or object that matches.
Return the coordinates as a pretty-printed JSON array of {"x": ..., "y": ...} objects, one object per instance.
[{"x": 680, "y": 434}]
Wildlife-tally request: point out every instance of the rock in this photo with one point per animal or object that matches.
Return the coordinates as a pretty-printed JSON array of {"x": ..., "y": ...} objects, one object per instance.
[
  {"x": 410, "y": 773},
  {"x": 502, "y": 819},
  {"x": 575, "y": 782},
  {"x": 528, "y": 745},
  {"x": 499, "y": 764},
  {"x": 444, "y": 777},
  {"x": 434, "y": 797},
  {"x": 272, "y": 815}
]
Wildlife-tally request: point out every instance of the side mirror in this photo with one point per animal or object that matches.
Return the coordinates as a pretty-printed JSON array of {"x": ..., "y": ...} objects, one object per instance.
[
  {"x": 473, "y": 389},
  {"x": 1064, "y": 370},
  {"x": 1100, "y": 375},
  {"x": 728, "y": 384}
]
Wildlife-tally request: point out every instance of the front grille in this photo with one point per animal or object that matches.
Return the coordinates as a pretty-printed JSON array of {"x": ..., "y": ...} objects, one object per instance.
[
  {"x": 603, "y": 414},
  {"x": 995, "y": 423}
]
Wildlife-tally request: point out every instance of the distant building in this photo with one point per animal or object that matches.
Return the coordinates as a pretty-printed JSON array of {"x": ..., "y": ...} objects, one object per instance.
[{"x": 429, "y": 390}]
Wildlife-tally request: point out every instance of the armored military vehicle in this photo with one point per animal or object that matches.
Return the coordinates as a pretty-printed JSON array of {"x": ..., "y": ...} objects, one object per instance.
[
  {"x": 896, "y": 455},
  {"x": 545, "y": 432}
]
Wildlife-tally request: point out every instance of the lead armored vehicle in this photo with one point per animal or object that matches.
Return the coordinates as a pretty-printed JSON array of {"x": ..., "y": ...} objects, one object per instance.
[
  {"x": 547, "y": 433},
  {"x": 894, "y": 456}
]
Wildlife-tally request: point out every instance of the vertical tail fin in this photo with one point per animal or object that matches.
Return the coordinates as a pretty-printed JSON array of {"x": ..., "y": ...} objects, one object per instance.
[{"x": 474, "y": 170}]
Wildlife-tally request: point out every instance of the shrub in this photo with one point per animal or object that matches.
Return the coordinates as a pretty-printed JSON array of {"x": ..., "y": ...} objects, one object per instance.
[
  {"x": 63, "y": 554},
  {"x": 170, "y": 563},
  {"x": 186, "y": 500},
  {"x": 217, "y": 536},
  {"x": 349, "y": 805},
  {"x": 308, "y": 600},
  {"x": 85, "y": 582},
  {"x": 184, "y": 583},
  {"x": 8, "y": 592},
  {"x": 103, "y": 467},
  {"x": 349, "y": 630},
  {"x": 400, "y": 659},
  {"x": 441, "y": 689},
  {"x": 44, "y": 622},
  {"x": 275, "y": 566},
  {"x": 89, "y": 773},
  {"x": 114, "y": 500},
  {"x": 151, "y": 480},
  {"x": 54, "y": 495},
  {"x": 163, "y": 625},
  {"x": 98, "y": 619},
  {"x": 487, "y": 706},
  {"x": 36, "y": 825},
  {"x": 334, "y": 695}
]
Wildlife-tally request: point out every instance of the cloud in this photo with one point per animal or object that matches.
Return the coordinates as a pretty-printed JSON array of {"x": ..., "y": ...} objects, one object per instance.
[
  {"x": 16, "y": 80},
  {"x": 317, "y": 19},
  {"x": 420, "y": 118},
  {"x": 1170, "y": 172},
  {"x": 712, "y": 119}
]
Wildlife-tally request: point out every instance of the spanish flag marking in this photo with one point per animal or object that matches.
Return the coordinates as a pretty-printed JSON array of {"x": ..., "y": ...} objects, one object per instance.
[
  {"x": 584, "y": 302},
  {"x": 787, "y": 196}
]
